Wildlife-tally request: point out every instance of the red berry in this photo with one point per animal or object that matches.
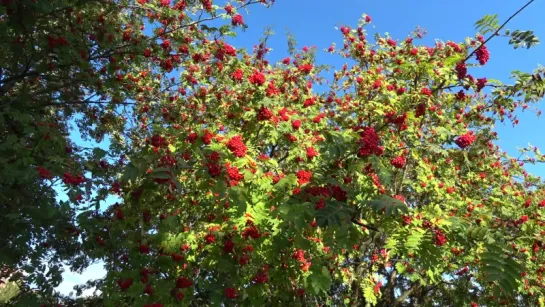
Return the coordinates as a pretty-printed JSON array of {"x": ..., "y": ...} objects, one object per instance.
[
  {"x": 236, "y": 146},
  {"x": 182, "y": 283},
  {"x": 465, "y": 140},
  {"x": 398, "y": 162},
  {"x": 237, "y": 20}
]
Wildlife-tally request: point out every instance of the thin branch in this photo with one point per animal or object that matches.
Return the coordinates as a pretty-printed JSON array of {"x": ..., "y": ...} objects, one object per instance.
[
  {"x": 284, "y": 157},
  {"x": 398, "y": 188},
  {"x": 364, "y": 225},
  {"x": 23, "y": 75},
  {"x": 496, "y": 33},
  {"x": 86, "y": 102},
  {"x": 498, "y": 30}
]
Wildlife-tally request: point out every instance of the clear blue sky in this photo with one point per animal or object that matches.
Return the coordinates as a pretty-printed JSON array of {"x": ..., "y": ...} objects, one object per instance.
[{"x": 313, "y": 23}]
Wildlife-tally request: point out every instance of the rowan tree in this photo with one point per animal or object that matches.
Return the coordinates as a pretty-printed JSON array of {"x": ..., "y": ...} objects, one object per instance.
[{"x": 240, "y": 184}]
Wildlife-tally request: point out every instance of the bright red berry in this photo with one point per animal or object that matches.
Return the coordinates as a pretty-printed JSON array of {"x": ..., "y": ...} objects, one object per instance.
[
  {"x": 237, "y": 147},
  {"x": 466, "y": 140},
  {"x": 398, "y": 162},
  {"x": 237, "y": 20}
]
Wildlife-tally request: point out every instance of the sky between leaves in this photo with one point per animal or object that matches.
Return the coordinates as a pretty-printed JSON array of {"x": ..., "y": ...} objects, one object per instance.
[{"x": 314, "y": 22}]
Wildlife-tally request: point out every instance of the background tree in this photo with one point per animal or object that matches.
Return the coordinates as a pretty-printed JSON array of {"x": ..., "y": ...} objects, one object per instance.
[{"x": 67, "y": 67}]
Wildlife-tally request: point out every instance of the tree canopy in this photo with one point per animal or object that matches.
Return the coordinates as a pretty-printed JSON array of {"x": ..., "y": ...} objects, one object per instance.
[{"x": 243, "y": 182}]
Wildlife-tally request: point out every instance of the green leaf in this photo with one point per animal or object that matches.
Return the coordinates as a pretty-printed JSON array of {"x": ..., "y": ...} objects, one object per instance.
[
  {"x": 237, "y": 200},
  {"x": 287, "y": 182},
  {"x": 99, "y": 153},
  {"x": 497, "y": 268},
  {"x": 130, "y": 174},
  {"x": 413, "y": 240},
  {"x": 389, "y": 205},
  {"x": 161, "y": 173},
  {"x": 400, "y": 267},
  {"x": 382, "y": 171},
  {"x": 369, "y": 295},
  {"x": 391, "y": 242},
  {"x": 177, "y": 185},
  {"x": 453, "y": 59},
  {"x": 477, "y": 233},
  {"x": 220, "y": 187},
  {"x": 489, "y": 23},
  {"x": 320, "y": 281},
  {"x": 335, "y": 213},
  {"x": 523, "y": 38}
]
